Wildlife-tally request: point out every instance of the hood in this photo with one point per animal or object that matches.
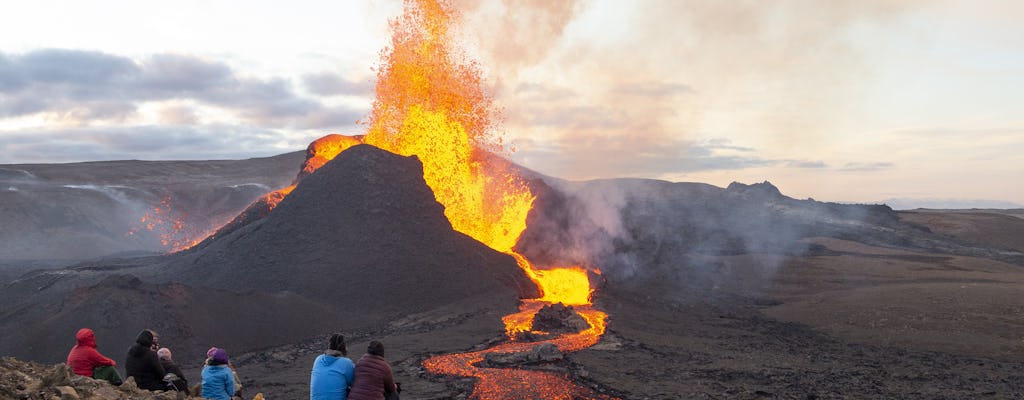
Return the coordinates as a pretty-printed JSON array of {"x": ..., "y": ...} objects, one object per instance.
[
  {"x": 85, "y": 337},
  {"x": 329, "y": 359},
  {"x": 145, "y": 338},
  {"x": 142, "y": 344}
]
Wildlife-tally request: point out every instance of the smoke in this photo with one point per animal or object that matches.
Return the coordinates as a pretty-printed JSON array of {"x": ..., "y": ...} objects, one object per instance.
[
  {"x": 693, "y": 237},
  {"x": 640, "y": 82},
  {"x": 515, "y": 34}
]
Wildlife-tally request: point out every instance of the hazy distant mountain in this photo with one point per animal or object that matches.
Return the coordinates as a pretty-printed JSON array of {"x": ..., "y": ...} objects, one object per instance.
[
  {"x": 949, "y": 204},
  {"x": 91, "y": 209}
]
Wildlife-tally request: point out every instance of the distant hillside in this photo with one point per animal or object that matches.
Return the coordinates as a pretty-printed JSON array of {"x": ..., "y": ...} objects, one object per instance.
[{"x": 83, "y": 210}]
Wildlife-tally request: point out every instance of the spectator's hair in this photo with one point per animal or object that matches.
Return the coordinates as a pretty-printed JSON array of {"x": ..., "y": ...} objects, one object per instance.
[
  {"x": 376, "y": 348},
  {"x": 337, "y": 343}
]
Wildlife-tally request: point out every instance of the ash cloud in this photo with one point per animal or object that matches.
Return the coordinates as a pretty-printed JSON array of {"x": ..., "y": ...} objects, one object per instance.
[{"x": 673, "y": 72}]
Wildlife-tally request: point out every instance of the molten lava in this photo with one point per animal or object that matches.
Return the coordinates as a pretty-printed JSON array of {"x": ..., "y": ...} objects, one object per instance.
[
  {"x": 430, "y": 103},
  {"x": 169, "y": 225}
]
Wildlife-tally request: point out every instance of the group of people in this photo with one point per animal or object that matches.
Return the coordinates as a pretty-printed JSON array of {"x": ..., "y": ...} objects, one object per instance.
[
  {"x": 153, "y": 367},
  {"x": 334, "y": 375}
]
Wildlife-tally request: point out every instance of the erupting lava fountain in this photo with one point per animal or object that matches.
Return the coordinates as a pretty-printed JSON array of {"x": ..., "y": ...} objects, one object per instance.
[{"x": 430, "y": 103}]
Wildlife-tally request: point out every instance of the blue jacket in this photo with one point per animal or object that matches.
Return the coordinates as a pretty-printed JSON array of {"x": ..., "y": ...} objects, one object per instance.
[
  {"x": 218, "y": 382},
  {"x": 330, "y": 378}
]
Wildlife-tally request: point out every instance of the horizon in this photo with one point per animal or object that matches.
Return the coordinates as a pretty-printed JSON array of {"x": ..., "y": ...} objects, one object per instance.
[{"x": 849, "y": 102}]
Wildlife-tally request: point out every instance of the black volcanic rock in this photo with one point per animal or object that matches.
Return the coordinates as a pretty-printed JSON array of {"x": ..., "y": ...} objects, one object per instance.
[
  {"x": 558, "y": 318},
  {"x": 363, "y": 232}
]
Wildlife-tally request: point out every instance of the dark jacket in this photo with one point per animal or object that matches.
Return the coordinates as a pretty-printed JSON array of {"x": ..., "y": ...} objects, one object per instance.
[
  {"x": 144, "y": 365},
  {"x": 171, "y": 368},
  {"x": 84, "y": 356},
  {"x": 372, "y": 379}
]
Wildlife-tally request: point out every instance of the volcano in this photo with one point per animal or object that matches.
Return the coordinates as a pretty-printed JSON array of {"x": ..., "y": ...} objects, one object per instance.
[
  {"x": 361, "y": 226},
  {"x": 357, "y": 244}
]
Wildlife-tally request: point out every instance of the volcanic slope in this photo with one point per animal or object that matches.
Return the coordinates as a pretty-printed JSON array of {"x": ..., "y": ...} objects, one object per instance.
[
  {"x": 363, "y": 232},
  {"x": 360, "y": 243}
]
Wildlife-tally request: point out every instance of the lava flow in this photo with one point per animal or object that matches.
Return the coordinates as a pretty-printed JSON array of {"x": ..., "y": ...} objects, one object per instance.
[{"x": 430, "y": 103}]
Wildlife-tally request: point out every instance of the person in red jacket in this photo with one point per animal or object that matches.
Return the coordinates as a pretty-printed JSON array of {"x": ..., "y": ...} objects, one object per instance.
[
  {"x": 373, "y": 379},
  {"x": 85, "y": 360}
]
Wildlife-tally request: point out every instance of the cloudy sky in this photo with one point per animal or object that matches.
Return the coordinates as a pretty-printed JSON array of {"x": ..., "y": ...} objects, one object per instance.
[{"x": 854, "y": 101}]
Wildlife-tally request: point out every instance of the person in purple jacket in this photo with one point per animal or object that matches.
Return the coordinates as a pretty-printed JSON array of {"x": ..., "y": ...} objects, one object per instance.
[{"x": 373, "y": 378}]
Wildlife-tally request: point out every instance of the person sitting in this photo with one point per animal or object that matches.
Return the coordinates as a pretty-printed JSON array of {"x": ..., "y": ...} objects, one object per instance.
[
  {"x": 143, "y": 363},
  {"x": 218, "y": 379},
  {"x": 177, "y": 381},
  {"x": 85, "y": 360},
  {"x": 372, "y": 378},
  {"x": 332, "y": 372}
]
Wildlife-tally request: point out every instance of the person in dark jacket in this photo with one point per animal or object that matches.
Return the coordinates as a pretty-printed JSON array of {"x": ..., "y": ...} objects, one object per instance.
[
  {"x": 332, "y": 372},
  {"x": 373, "y": 379},
  {"x": 143, "y": 363},
  {"x": 218, "y": 379},
  {"x": 85, "y": 360},
  {"x": 178, "y": 381}
]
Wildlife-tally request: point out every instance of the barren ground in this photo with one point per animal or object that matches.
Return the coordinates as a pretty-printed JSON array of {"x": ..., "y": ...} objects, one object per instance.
[{"x": 849, "y": 321}]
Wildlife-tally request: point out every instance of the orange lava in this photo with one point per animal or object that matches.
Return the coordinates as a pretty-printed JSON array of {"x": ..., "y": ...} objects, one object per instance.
[
  {"x": 323, "y": 150},
  {"x": 175, "y": 234},
  {"x": 431, "y": 103},
  {"x": 501, "y": 383}
]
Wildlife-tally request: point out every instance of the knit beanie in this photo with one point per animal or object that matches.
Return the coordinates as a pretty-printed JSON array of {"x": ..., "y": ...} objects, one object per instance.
[
  {"x": 164, "y": 353},
  {"x": 220, "y": 355}
]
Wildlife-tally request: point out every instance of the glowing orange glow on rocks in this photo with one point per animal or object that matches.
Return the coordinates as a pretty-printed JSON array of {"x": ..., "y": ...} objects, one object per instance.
[
  {"x": 170, "y": 226},
  {"x": 325, "y": 149}
]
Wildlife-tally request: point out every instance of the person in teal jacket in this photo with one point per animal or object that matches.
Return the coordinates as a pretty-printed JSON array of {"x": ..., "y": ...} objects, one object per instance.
[
  {"x": 218, "y": 381},
  {"x": 332, "y": 372}
]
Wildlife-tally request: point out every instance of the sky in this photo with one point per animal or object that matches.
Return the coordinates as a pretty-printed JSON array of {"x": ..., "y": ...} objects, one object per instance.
[{"x": 915, "y": 103}]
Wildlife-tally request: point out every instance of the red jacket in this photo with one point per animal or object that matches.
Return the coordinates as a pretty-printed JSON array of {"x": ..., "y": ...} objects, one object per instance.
[
  {"x": 84, "y": 357},
  {"x": 372, "y": 378}
]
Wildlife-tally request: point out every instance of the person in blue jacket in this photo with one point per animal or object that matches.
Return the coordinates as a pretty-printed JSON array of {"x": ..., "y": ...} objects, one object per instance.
[
  {"x": 332, "y": 372},
  {"x": 218, "y": 381}
]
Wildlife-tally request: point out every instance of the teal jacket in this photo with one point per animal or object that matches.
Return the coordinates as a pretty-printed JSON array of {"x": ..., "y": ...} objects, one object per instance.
[{"x": 218, "y": 382}]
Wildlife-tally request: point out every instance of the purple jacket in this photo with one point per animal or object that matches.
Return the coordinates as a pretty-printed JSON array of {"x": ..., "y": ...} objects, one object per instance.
[{"x": 372, "y": 378}]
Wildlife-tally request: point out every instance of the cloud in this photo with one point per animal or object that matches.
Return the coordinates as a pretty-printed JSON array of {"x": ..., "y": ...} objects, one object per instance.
[
  {"x": 653, "y": 89},
  {"x": 142, "y": 142},
  {"x": 806, "y": 164},
  {"x": 329, "y": 84},
  {"x": 637, "y": 156},
  {"x": 83, "y": 87},
  {"x": 867, "y": 166}
]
